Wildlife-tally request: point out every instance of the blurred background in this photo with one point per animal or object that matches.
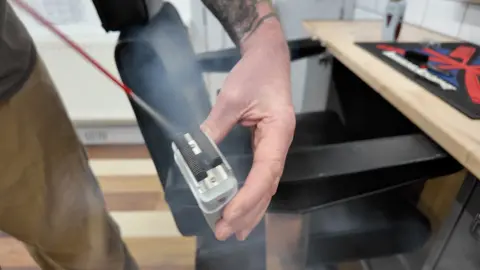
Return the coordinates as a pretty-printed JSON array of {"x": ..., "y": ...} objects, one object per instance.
[
  {"x": 105, "y": 121},
  {"x": 102, "y": 113}
]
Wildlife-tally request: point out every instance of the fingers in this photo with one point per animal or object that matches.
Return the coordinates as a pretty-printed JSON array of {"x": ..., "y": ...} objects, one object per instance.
[
  {"x": 254, "y": 218},
  {"x": 273, "y": 140},
  {"x": 258, "y": 184},
  {"x": 223, "y": 117},
  {"x": 245, "y": 225}
]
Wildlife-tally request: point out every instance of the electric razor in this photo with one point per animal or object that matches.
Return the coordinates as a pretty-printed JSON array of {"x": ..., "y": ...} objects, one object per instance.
[{"x": 207, "y": 173}]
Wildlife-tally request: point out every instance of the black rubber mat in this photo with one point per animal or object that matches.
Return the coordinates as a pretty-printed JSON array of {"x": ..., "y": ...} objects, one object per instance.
[{"x": 454, "y": 73}]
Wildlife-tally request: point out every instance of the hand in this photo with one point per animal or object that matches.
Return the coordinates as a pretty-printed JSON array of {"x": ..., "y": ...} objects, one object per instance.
[{"x": 256, "y": 94}]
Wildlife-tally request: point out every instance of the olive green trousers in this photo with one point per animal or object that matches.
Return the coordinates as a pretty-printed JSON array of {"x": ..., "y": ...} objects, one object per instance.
[{"x": 49, "y": 198}]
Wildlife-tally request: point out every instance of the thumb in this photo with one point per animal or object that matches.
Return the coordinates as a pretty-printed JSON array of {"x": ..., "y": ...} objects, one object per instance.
[{"x": 222, "y": 118}]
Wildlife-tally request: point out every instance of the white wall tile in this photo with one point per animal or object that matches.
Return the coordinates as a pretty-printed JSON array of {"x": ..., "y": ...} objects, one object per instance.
[
  {"x": 444, "y": 16},
  {"x": 470, "y": 29},
  {"x": 215, "y": 33},
  {"x": 361, "y": 14},
  {"x": 293, "y": 12},
  {"x": 416, "y": 9},
  {"x": 349, "y": 9},
  {"x": 382, "y": 6},
  {"x": 197, "y": 27},
  {"x": 367, "y": 4}
]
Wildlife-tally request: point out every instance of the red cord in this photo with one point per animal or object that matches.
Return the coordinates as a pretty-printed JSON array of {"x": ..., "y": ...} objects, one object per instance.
[{"x": 72, "y": 44}]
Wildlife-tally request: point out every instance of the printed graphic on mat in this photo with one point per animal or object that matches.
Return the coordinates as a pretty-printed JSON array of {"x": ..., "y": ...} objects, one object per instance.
[{"x": 459, "y": 82}]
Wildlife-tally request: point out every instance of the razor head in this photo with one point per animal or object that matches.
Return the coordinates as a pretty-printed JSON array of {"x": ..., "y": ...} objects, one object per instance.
[
  {"x": 199, "y": 154},
  {"x": 205, "y": 169}
]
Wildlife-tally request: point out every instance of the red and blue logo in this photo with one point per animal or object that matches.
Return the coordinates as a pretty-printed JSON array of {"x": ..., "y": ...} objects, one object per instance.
[{"x": 463, "y": 62}]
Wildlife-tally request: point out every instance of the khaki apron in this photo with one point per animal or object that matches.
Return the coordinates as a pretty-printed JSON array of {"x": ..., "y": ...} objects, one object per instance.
[{"x": 50, "y": 200}]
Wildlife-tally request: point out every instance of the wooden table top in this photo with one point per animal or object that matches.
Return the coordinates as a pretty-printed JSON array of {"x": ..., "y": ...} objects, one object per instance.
[{"x": 455, "y": 132}]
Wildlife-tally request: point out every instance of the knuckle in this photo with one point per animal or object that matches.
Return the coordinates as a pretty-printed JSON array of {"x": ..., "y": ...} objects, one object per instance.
[
  {"x": 274, "y": 188},
  {"x": 276, "y": 168},
  {"x": 276, "y": 171},
  {"x": 230, "y": 97},
  {"x": 290, "y": 118},
  {"x": 232, "y": 216}
]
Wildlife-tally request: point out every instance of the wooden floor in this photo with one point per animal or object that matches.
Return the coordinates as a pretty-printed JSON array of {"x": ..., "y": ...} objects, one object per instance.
[
  {"x": 134, "y": 196},
  {"x": 135, "y": 200}
]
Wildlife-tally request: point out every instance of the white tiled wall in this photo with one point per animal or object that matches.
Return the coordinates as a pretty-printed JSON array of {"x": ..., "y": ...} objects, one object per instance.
[
  {"x": 449, "y": 17},
  {"x": 470, "y": 29},
  {"x": 444, "y": 16}
]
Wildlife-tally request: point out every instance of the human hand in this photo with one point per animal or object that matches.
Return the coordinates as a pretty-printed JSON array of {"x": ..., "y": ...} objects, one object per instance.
[{"x": 256, "y": 94}]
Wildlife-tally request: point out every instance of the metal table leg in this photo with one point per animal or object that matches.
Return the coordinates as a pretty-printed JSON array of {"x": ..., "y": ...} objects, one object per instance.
[{"x": 451, "y": 222}]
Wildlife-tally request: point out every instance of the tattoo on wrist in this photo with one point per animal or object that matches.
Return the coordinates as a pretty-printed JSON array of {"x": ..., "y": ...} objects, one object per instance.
[{"x": 240, "y": 18}]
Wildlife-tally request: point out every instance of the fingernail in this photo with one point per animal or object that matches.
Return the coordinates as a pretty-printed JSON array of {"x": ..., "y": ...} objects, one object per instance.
[{"x": 223, "y": 232}]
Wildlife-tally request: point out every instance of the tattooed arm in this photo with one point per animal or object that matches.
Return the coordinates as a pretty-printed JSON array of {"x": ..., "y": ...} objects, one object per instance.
[
  {"x": 255, "y": 94},
  {"x": 243, "y": 18}
]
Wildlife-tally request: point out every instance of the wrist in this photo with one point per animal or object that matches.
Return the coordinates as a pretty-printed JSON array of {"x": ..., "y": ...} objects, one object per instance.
[{"x": 269, "y": 32}]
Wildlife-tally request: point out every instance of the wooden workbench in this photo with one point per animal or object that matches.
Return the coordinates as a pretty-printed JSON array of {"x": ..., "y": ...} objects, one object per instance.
[
  {"x": 455, "y": 132},
  {"x": 442, "y": 200}
]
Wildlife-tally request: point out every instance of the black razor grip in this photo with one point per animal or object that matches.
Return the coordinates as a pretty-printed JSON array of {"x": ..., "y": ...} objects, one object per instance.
[
  {"x": 200, "y": 163},
  {"x": 209, "y": 154}
]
